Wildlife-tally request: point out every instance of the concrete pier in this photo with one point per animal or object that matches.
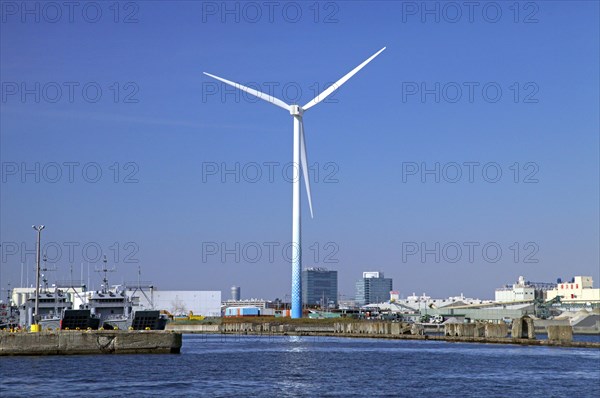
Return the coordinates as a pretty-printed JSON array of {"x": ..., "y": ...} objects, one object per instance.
[
  {"x": 496, "y": 330},
  {"x": 481, "y": 332},
  {"x": 523, "y": 328},
  {"x": 90, "y": 342},
  {"x": 480, "y": 329},
  {"x": 560, "y": 333}
]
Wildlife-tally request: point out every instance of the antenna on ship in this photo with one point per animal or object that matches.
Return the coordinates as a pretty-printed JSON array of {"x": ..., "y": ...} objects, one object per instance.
[
  {"x": 8, "y": 294},
  {"x": 142, "y": 286},
  {"x": 46, "y": 269},
  {"x": 139, "y": 276},
  {"x": 105, "y": 270},
  {"x": 71, "y": 283}
]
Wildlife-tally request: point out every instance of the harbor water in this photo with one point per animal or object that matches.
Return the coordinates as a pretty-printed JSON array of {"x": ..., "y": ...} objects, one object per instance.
[{"x": 288, "y": 366}]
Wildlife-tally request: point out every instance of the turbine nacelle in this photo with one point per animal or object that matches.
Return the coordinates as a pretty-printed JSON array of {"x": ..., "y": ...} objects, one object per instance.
[{"x": 296, "y": 110}]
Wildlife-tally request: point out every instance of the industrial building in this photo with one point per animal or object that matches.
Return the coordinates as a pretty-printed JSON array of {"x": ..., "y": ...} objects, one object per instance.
[
  {"x": 523, "y": 291},
  {"x": 181, "y": 302},
  {"x": 258, "y": 303},
  {"x": 483, "y": 312},
  {"x": 424, "y": 301},
  {"x": 520, "y": 291},
  {"x": 579, "y": 291},
  {"x": 373, "y": 288},
  {"x": 319, "y": 287},
  {"x": 459, "y": 308}
]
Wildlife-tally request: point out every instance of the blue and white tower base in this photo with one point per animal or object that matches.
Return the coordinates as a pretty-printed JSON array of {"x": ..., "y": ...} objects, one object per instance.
[{"x": 296, "y": 248}]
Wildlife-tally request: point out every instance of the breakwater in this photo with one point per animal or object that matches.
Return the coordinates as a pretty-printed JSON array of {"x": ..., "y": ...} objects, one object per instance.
[
  {"x": 466, "y": 333},
  {"x": 90, "y": 342}
]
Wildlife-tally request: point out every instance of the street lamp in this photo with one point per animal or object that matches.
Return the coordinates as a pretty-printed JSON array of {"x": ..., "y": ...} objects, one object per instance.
[{"x": 39, "y": 229}]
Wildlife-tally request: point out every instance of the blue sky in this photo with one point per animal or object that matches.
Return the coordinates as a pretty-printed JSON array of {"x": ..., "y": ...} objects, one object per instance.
[{"x": 160, "y": 129}]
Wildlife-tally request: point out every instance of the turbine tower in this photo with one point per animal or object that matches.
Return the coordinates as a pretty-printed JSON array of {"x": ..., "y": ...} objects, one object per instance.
[{"x": 300, "y": 163}]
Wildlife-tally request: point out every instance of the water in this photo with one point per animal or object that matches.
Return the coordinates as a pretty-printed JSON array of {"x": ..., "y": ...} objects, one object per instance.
[{"x": 219, "y": 366}]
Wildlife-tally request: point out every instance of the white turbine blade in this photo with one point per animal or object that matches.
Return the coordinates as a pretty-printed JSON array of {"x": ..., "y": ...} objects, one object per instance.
[
  {"x": 338, "y": 84},
  {"x": 304, "y": 164},
  {"x": 262, "y": 96}
]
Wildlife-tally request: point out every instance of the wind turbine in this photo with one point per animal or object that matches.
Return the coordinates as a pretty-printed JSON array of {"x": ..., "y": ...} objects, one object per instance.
[{"x": 300, "y": 159}]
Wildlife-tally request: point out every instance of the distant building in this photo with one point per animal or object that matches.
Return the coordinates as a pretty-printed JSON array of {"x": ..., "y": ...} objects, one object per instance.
[
  {"x": 258, "y": 303},
  {"x": 425, "y": 302},
  {"x": 319, "y": 287},
  {"x": 373, "y": 288},
  {"x": 579, "y": 290},
  {"x": 236, "y": 293},
  {"x": 520, "y": 291},
  {"x": 179, "y": 302},
  {"x": 346, "y": 304},
  {"x": 242, "y": 311}
]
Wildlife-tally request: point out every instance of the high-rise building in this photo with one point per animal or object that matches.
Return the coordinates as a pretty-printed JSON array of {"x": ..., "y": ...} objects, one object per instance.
[
  {"x": 319, "y": 287},
  {"x": 373, "y": 288}
]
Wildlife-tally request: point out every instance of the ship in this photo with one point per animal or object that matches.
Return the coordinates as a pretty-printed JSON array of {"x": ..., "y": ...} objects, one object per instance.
[
  {"x": 8, "y": 316},
  {"x": 109, "y": 308},
  {"x": 115, "y": 310},
  {"x": 51, "y": 307}
]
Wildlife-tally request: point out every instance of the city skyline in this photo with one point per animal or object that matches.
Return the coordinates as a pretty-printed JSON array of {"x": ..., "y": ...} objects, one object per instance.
[{"x": 91, "y": 277}]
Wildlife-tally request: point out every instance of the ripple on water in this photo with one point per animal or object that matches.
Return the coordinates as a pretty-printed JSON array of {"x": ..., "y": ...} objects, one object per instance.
[{"x": 311, "y": 366}]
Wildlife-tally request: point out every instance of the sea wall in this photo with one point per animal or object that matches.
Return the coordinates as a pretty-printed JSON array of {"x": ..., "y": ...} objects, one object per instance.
[
  {"x": 373, "y": 328},
  {"x": 183, "y": 328},
  {"x": 480, "y": 329},
  {"x": 560, "y": 333},
  {"x": 496, "y": 330},
  {"x": 489, "y": 333},
  {"x": 89, "y": 342}
]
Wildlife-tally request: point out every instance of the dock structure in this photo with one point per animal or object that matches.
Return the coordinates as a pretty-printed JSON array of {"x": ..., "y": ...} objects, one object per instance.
[
  {"x": 77, "y": 342},
  {"x": 487, "y": 333}
]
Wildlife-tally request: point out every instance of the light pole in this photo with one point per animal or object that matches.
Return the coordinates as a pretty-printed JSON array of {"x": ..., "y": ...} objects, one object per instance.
[{"x": 38, "y": 228}]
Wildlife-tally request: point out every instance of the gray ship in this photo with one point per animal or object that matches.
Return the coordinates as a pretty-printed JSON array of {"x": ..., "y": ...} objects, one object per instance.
[
  {"x": 115, "y": 309},
  {"x": 108, "y": 308},
  {"x": 8, "y": 316},
  {"x": 51, "y": 306}
]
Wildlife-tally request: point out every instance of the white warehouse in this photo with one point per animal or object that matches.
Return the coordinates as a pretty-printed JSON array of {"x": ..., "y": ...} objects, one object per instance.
[
  {"x": 519, "y": 291},
  {"x": 181, "y": 302}
]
